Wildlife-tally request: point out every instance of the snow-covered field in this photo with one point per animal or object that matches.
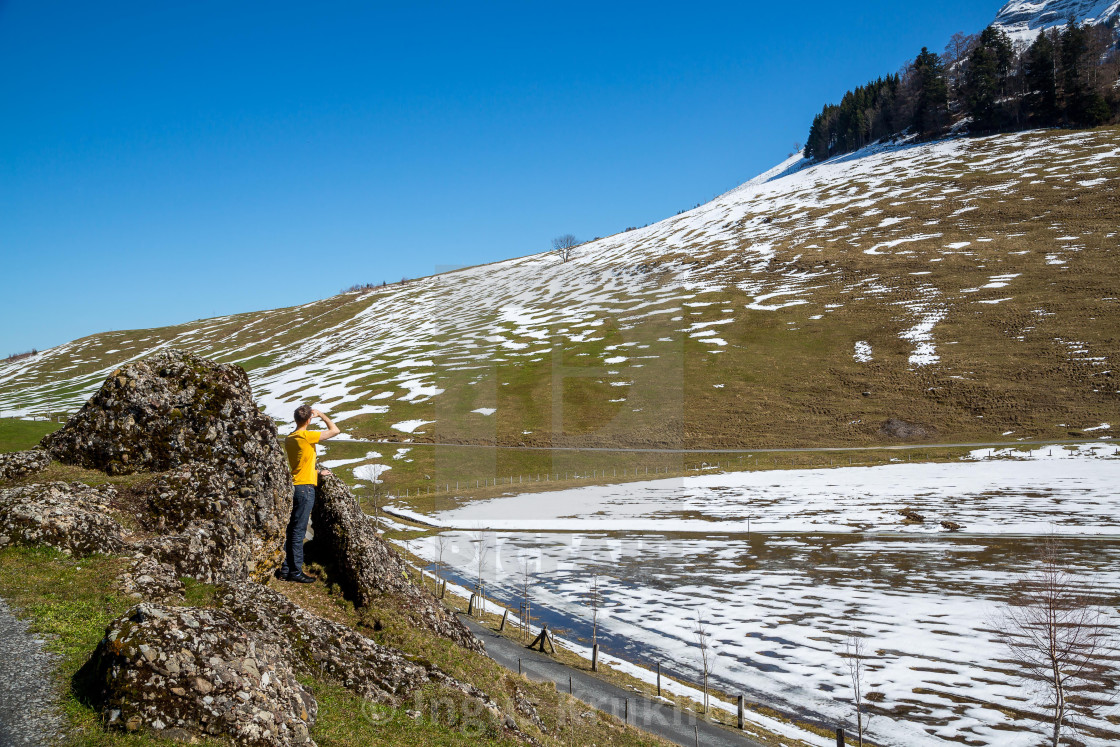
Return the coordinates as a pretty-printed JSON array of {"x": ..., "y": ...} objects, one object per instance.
[
  {"x": 1005, "y": 491},
  {"x": 781, "y": 605}
]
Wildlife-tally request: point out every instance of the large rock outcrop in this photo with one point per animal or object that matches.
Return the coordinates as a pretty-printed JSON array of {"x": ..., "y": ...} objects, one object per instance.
[
  {"x": 16, "y": 464},
  {"x": 71, "y": 517},
  {"x": 322, "y": 647},
  {"x": 212, "y": 504},
  {"x": 369, "y": 568},
  {"x": 171, "y": 409},
  {"x": 328, "y": 649},
  {"x": 211, "y": 525},
  {"x": 222, "y": 500},
  {"x": 179, "y": 673}
]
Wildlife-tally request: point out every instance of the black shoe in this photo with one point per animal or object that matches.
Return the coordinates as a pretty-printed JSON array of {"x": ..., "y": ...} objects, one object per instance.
[{"x": 300, "y": 578}]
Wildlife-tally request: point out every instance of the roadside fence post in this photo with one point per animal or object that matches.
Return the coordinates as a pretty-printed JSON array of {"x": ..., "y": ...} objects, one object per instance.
[
  {"x": 659, "y": 679},
  {"x": 840, "y": 737},
  {"x": 740, "y": 712},
  {"x": 595, "y": 658}
]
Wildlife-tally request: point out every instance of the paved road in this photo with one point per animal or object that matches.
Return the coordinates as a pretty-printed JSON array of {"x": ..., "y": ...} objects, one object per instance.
[
  {"x": 871, "y": 447},
  {"x": 665, "y": 721},
  {"x": 28, "y": 715}
]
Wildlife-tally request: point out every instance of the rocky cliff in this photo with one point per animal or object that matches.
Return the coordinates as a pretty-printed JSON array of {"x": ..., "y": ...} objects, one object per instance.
[{"x": 1023, "y": 19}]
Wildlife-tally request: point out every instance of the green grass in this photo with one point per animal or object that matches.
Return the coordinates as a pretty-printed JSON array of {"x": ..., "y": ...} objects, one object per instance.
[
  {"x": 345, "y": 720},
  {"x": 18, "y": 435},
  {"x": 59, "y": 472},
  {"x": 70, "y": 602},
  {"x": 197, "y": 593}
]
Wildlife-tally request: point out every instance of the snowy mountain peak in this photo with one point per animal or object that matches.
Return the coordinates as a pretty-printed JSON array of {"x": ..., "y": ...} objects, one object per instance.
[{"x": 1023, "y": 19}]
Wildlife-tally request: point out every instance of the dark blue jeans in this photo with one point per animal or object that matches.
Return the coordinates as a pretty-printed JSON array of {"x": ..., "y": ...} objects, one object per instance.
[{"x": 302, "y": 502}]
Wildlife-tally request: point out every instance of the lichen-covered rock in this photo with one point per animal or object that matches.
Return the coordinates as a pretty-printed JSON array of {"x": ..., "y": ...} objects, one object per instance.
[
  {"x": 22, "y": 463},
  {"x": 212, "y": 526},
  {"x": 223, "y": 501},
  {"x": 151, "y": 580},
  {"x": 171, "y": 409},
  {"x": 324, "y": 648},
  {"x": 71, "y": 517},
  {"x": 182, "y": 673},
  {"x": 370, "y": 568}
]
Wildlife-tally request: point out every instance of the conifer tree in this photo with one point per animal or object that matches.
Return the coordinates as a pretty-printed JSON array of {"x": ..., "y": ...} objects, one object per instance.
[
  {"x": 1082, "y": 105},
  {"x": 986, "y": 81},
  {"x": 931, "y": 108},
  {"x": 1040, "y": 76}
]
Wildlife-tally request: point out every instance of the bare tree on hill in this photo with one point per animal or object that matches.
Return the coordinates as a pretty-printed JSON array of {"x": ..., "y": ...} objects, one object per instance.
[
  {"x": 564, "y": 246},
  {"x": 1059, "y": 639}
]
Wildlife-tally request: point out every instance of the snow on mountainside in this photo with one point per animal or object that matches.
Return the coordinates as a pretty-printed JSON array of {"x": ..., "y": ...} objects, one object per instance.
[
  {"x": 1023, "y": 19},
  {"x": 965, "y": 278}
]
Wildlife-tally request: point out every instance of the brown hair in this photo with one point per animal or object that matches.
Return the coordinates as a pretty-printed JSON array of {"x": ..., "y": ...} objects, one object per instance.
[{"x": 303, "y": 414}]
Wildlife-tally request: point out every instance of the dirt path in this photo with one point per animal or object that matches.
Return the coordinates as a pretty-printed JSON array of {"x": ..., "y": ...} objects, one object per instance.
[{"x": 28, "y": 712}]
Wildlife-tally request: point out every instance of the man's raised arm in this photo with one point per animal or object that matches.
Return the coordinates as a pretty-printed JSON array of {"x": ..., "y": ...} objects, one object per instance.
[{"x": 332, "y": 429}]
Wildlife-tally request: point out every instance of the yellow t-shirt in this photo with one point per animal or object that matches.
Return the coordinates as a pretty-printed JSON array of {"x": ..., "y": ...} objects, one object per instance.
[{"x": 300, "y": 446}]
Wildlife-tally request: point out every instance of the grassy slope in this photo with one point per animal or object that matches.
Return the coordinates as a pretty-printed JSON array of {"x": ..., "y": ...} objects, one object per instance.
[
  {"x": 17, "y": 435},
  {"x": 786, "y": 377},
  {"x": 1037, "y": 364}
]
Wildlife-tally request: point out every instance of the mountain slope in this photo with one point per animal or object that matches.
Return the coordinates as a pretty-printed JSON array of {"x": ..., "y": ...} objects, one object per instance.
[
  {"x": 968, "y": 285},
  {"x": 1023, "y": 19}
]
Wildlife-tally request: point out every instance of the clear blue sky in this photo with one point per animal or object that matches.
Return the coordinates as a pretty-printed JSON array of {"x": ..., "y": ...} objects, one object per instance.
[{"x": 167, "y": 161}]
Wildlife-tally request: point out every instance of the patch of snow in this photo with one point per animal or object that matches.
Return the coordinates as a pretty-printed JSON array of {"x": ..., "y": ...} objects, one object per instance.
[
  {"x": 410, "y": 426},
  {"x": 332, "y": 463}
]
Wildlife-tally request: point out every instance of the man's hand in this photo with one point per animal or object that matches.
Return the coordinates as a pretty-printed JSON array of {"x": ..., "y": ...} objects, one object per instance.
[{"x": 332, "y": 429}]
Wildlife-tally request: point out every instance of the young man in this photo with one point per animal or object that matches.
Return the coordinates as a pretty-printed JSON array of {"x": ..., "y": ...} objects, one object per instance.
[{"x": 300, "y": 447}]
